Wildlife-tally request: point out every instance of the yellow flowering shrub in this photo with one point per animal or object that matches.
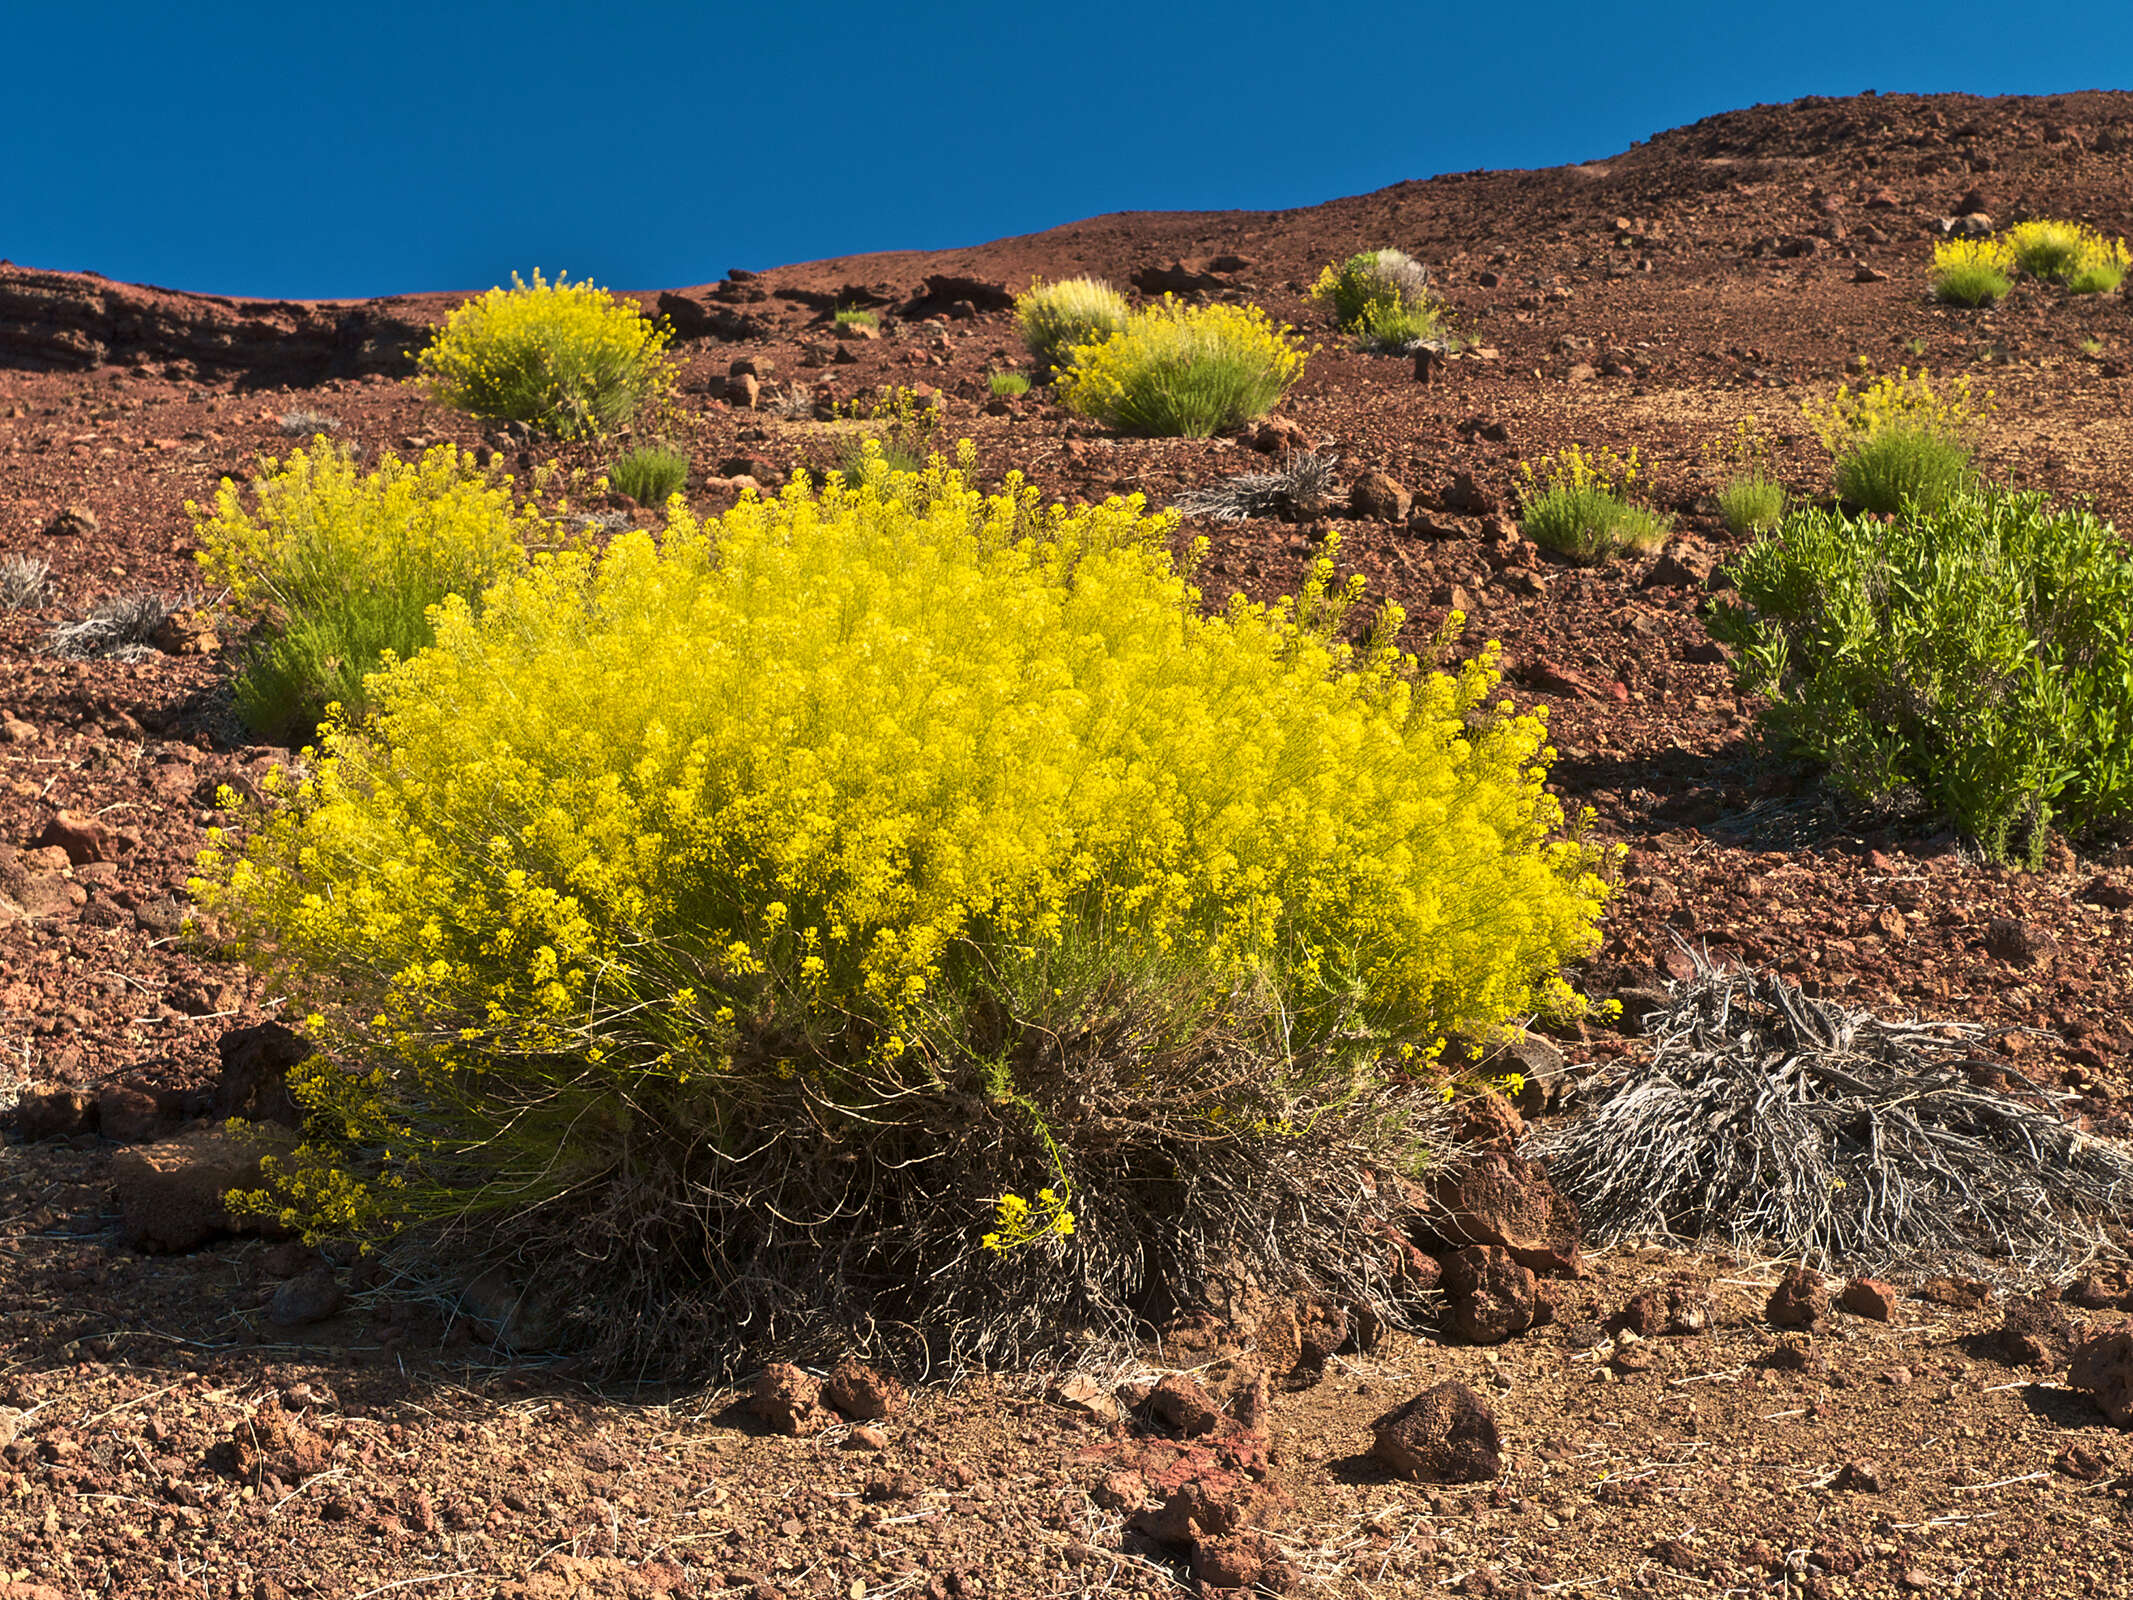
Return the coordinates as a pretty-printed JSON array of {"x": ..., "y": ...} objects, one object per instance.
[
  {"x": 565, "y": 358},
  {"x": 1383, "y": 298},
  {"x": 2071, "y": 253},
  {"x": 838, "y": 872},
  {"x": 1580, "y": 503},
  {"x": 339, "y": 566},
  {"x": 1972, "y": 272},
  {"x": 1178, "y": 371},
  {"x": 1900, "y": 441}
]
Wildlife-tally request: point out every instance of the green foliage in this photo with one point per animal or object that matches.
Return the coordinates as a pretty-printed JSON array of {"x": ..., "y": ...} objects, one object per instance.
[
  {"x": 565, "y": 358},
  {"x": 732, "y": 924},
  {"x": 1578, "y": 504},
  {"x": 339, "y": 569},
  {"x": 1178, "y": 371},
  {"x": 1056, "y": 317},
  {"x": 856, "y": 316},
  {"x": 1008, "y": 384},
  {"x": 1751, "y": 503},
  {"x": 1974, "y": 660},
  {"x": 1972, "y": 272},
  {"x": 1383, "y": 298},
  {"x": 649, "y": 474}
]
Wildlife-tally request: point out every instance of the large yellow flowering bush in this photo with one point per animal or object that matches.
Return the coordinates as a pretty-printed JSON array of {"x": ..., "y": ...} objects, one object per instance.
[
  {"x": 566, "y": 358},
  {"x": 1179, "y": 371},
  {"x": 338, "y": 567},
  {"x": 766, "y": 908}
]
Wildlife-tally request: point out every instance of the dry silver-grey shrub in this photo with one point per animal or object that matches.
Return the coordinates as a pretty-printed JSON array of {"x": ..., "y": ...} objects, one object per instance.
[
  {"x": 304, "y": 424},
  {"x": 1771, "y": 1119},
  {"x": 23, "y": 581},
  {"x": 1304, "y": 479},
  {"x": 122, "y": 628}
]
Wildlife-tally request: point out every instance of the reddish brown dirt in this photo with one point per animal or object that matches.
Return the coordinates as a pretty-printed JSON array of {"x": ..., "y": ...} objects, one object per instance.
[{"x": 1727, "y": 269}]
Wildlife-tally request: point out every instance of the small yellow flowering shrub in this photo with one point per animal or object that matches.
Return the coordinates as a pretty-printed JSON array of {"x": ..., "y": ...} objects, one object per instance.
[
  {"x": 1579, "y": 503},
  {"x": 742, "y": 922},
  {"x": 565, "y": 358},
  {"x": 1055, "y": 317},
  {"x": 2070, "y": 253},
  {"x": 1972, "y": 272},
  {"x": 1900, "y": 441},
  {"x": 1382, "y": 297},
  {"x": 338, "y": 567},
  {"x": 1178, "y": 371}
]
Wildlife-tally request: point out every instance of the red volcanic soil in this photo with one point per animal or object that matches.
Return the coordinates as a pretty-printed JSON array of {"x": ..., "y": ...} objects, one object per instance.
[{"x": 162, "y": 1432}]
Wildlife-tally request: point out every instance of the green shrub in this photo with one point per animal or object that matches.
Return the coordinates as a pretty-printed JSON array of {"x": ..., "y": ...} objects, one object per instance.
[
  {"x": 1056, "y": 317},
  {"x": 903, "y": 434},
  {"x": 898, "y": 913},
  {"x": 1886, "y": 471},
  {"x": 1578, "y": 505},
  {"x": 1973, "y": 660},
  {"x": 1751, "y": 503},
  {"x": 1972, "y": 272},
  {"x": 1383, "y": 298},
  {"x": 856, "y": 316},
  {"x": 1178, "y": 371},
  {"x": 649, "y": 474},
  {"x": 565, "y": 358},
  {"x": 339, "y": 568},
  {"x": 1008, "y": 384}
]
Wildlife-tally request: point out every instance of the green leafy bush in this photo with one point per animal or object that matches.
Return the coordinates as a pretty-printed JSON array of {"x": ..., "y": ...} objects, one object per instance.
[
  {"x": 649, "y": 474},
  {"x": 1973, "y": 660},
  {"x": 856, "y": 316},
  {"x": 338, "y": 569},
  {"x": 899, "y": 913},
  {"x": 1578, "y": 504},
  {"x": 566, "y": 358},
  {"x": 1178, "y": 371},
  {"x": 1056, "y": 317},
  {"x": 1383, "y": 298},
  {"x": 1008, "y": 384}
]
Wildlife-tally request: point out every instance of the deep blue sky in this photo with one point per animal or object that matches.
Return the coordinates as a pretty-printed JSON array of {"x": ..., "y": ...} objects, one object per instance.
[{"x": 327, "y": 150}]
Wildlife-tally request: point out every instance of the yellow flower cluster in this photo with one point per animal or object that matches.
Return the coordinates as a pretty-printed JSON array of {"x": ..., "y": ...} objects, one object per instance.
[
  {"x": 1902, "y": 404},
  {"x": 1180, "y": 371},
  {"x": 323, "y": 528},
  {"x": 1574, "y": 469},
  {"x": 1017, "y": 1223},
  {"x": 759, "y": 798},
  {"x": 567, "y": 358}
]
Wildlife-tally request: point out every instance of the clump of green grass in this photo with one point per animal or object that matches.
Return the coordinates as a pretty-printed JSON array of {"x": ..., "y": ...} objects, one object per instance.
[
  {"x": 1899, "y": 441},
  {"x": 1578, "y": 504},
  {"x": 1752, "y": 503},
  {"x": 649, "y": 474},
  {"x": 856, "y": 316},
  {"x": 342, "y": 569},
  {"x": 1008, "y": 384},
  {"x": 1055, "y": 318}
]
